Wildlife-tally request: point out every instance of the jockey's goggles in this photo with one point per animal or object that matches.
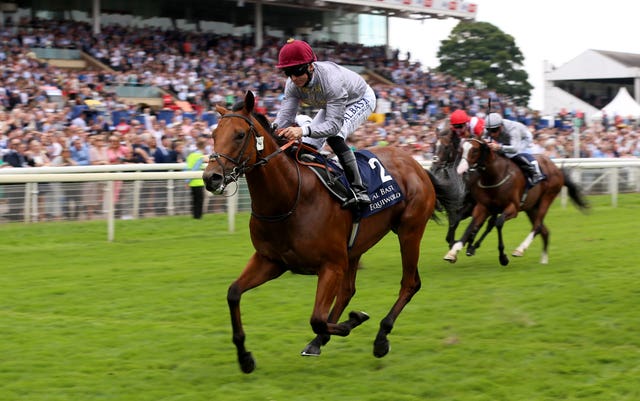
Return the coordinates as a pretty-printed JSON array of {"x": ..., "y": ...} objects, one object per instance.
[
  {"x": 459, "y": 126},
  {"x": 494, "y": 129},
  {"x": 296, "y": 70}
]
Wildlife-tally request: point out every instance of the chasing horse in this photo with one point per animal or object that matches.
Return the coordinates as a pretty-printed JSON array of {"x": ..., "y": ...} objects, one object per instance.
[
  {"x": 500, "y": 188},
  {"x": 297, "y": 225},
  {"x": 446, "y": 158}
]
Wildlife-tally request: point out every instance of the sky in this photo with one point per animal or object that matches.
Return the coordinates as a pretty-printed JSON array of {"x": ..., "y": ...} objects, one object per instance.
[{"x": 553, "y": 30}]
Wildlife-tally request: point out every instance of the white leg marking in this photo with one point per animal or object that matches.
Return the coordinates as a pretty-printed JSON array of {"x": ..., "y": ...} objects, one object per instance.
[
  {"x": 544, "y": 259},
  {"x": 451, "y": 256},
  {"x": 524, "y": 245}
]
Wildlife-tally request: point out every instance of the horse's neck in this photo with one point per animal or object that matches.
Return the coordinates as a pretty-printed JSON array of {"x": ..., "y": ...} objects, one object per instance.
[
  {"x": 456, "y": 155},
  {"x": 455, "y": 151},
  {"x": 453, "y": 155},
  {"x": 497, "y": 166},
  {"x": 273, "y": 186}
]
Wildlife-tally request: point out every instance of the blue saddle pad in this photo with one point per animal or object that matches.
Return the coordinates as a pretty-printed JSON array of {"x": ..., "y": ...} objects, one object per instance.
[{"x": 381, "y": 186}]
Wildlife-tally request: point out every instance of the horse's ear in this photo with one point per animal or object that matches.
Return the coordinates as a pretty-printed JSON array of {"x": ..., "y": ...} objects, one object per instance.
[
  {"x": 221, "y": 110},
  {"x": 249, "y": 102}
]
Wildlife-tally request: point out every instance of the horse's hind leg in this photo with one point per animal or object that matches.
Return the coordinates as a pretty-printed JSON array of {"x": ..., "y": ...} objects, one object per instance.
[
  {"x": 343, "y": 298},
  {"x": 410, "y": 284},
  {"x": 257, "y": 271},
  {"x": 538, "y": 228},
  {"x": 544, "y": 233}
]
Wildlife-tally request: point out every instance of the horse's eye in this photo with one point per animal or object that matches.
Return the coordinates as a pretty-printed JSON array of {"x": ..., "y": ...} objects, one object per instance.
[{"x": 240, "y": 135}]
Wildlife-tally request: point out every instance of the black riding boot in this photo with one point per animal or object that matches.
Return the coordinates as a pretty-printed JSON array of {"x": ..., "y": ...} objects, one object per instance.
[
  {"x": 350, "y": 166},
  {"x": 530, "y": 169},
  {"x": 537, "y": 174}
]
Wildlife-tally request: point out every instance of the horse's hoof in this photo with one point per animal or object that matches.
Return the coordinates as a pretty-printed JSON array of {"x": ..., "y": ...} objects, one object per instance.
[
  {"x": 471, "y": 251},
  {"x": 358, "y": 317},
  {"x": 517, "y": 253},
  {"x": 504, "y": 260},
  {"x": 380, "y": 348},
  {"x": 310, "y": 350},
  {"x": 247, "y": 363},
  {"x": 450, "y": 258},
  {"x": 544, "y": 259}
]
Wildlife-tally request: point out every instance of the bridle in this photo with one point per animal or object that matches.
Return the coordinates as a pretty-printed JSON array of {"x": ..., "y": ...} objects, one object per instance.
[
  {"x": 480, "y": 165},
  {"x": 242, "y": 166}
]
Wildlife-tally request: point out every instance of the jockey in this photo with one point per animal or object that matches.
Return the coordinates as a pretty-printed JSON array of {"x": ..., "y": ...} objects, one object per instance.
[
  {"x": 459, "y": 123},
  {"x": 345, "y": 101},
  {"x": 513, "y": 139},
  {"x": 464, "y": 126},
  {"x": 476, "y": 126}
]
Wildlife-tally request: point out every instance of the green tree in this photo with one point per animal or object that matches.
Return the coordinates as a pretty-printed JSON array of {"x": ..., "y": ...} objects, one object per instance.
[{"x": 481, "y": 55}]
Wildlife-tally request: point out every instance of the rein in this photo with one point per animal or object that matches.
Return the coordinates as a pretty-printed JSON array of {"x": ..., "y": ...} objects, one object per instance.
[
  {"x": 505, "y": 179},
  {"x": 242, "y": 166}
]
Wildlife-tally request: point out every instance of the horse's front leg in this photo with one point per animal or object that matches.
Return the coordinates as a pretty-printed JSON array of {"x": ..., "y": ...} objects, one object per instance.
[
  {"x": 258, "y": 271},
  {"x": 509, "y": 213},
  {"x": 454, "y": 221},
  {"x": 504, "y": 260},
  {"x": 478, "y": 217},
  {"x": 471, "y": 248}
]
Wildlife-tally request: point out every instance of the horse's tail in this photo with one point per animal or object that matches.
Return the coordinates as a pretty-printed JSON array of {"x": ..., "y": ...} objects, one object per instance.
[
  {"x": 448, "y": 194},
  {"x": 575, "y": 193}
]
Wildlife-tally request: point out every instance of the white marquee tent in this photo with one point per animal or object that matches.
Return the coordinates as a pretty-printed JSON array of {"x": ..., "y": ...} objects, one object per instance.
[{"x": 622, "y": 105}]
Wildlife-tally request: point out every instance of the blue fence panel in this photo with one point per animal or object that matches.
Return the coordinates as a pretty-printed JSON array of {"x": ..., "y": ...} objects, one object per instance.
[
  {"x": 192, "y": 116},
  {"x": 78, "y": 109},
  {"x": 210, "y": 118},
  {"x": 140, "y": 118},
  {"x": 117, "y": 115},
  {"x": 165, "y": 115}
]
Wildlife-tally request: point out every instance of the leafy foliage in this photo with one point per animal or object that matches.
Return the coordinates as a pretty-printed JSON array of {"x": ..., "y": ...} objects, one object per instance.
[{"x": 482, "y": 55}]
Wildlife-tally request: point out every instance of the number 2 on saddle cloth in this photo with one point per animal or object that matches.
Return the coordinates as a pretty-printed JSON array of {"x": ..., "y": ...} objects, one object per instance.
[{"x": 381, "y": 186}]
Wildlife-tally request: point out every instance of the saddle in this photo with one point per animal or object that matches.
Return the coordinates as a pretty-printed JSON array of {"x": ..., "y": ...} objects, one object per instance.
[{"x": 331, "y": 174}]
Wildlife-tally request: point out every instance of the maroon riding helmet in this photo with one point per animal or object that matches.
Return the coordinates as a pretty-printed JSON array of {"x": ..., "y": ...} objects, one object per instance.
[{"x": 295, "y": 52}]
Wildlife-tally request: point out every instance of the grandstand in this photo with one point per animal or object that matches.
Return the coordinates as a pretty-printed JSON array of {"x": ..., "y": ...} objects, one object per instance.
[
  {"x": 137, "y": 72},
  {"x": 315, "y": 21},
  {"x": 590, "y": 81}
]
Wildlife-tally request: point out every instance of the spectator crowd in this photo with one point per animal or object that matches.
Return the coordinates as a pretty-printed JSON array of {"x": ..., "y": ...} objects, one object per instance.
[{"x": 206, "y": 69}]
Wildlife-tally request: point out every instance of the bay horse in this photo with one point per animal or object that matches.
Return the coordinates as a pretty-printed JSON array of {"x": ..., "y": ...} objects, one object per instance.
[
  {"x": 499, "y": 189},
  {"x": 297, "y": 226},
  {"x": 447, "y": 156}
]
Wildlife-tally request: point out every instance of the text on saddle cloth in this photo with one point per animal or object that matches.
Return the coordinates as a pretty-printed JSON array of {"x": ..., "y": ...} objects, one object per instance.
[{"x": 381, "y": 186}]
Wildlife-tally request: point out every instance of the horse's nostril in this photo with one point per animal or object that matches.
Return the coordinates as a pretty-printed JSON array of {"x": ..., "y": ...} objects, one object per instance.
[{"x": 212, "y": 182}]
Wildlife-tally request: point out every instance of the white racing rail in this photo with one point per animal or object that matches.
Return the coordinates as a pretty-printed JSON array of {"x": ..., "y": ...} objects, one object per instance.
[{"x": 587, "y": 173}]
